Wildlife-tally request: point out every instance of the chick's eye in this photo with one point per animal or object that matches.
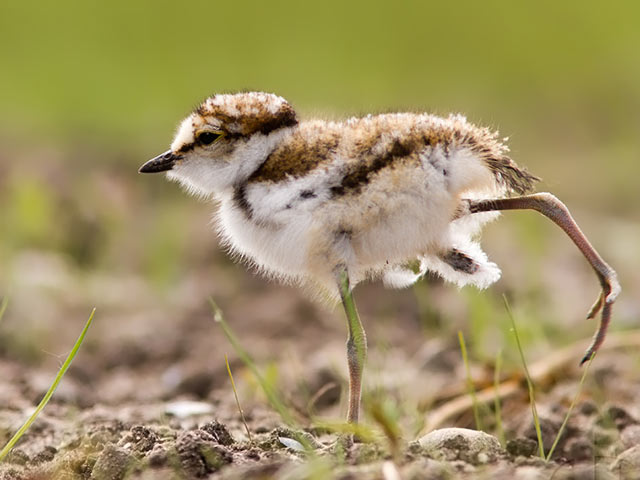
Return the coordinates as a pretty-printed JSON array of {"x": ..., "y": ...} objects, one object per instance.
[{"x": 207, "y": 138}]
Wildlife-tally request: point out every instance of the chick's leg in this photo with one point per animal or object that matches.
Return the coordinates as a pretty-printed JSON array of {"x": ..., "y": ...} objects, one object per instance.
[
  {"x": 554, "y": 209},
  {"x": 356, "y": 345}
]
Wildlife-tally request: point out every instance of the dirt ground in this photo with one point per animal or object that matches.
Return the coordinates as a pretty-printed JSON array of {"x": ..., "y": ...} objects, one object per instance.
[{"x": 149, "y": 397}]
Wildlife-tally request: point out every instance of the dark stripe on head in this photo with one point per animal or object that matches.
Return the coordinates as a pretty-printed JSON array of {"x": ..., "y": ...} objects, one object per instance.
[
  {"x": 187, "y": 147},
  {"x": 286, "y": 117}
]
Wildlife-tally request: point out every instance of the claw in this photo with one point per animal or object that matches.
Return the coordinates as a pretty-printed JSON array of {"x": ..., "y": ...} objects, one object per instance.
[
  {"x": 593, "y": 311},
  {"x": 610, "y": 291},
  {"x": 601, "y": 333}
]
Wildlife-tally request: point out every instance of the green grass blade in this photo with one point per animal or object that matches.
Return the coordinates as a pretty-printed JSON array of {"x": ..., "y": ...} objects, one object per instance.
[
  {"x": 387, "y": 420},
  {"x": 267, "y": 388},
  {"x": 532, "y": 398},
  {"x": 3, "y": 306},
  {"x": 496, "y": 400},
  {"x": 65, "y": 366},
  {"x": 470, "y": 387},
  {"x": 573, "y": 403}
]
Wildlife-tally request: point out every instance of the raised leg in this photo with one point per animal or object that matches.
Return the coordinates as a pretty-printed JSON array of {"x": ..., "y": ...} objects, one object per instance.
[
  {"x": 356, "y": 345},
  {"x": 551, "y": 207}
]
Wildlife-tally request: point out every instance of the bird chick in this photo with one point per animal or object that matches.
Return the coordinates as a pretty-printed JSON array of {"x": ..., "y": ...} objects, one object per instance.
[
  {"x": 373, "y": 193},
  {"x": 329, "y": 204}
]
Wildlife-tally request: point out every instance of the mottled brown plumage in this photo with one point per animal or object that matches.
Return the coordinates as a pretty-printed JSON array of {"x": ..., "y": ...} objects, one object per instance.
[
  {"x": 329, "y": 204},
  {"x": 366, "y": 148}
]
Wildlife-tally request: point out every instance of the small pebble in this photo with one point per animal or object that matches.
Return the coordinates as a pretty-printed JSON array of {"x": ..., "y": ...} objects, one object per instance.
[
  {"x": 471, "y": 446},
  {"x": 291, "y": 443},
  {"x": 186, "y": 408},
  {"x": 628, "y": 462}
]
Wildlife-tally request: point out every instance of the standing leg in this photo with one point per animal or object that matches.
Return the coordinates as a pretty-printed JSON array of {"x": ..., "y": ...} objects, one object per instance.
[
  {"x": 551, "y": 207},
  {"x": 356, "y": 345}
]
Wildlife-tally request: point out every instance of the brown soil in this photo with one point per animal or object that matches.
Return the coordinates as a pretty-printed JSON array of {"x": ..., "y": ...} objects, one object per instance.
[{"x": 148, "y": 397}]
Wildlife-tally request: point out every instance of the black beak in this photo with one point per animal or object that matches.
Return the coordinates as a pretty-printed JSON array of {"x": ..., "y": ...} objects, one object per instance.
[{"x": 163, "y": 162}]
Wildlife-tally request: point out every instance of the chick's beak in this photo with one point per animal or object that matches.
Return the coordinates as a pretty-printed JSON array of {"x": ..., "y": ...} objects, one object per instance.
[{"x": 163, "y": 162}]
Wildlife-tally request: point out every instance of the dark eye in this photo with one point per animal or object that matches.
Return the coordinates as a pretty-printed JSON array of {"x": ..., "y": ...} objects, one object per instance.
[{"x": 207, "y": 138}]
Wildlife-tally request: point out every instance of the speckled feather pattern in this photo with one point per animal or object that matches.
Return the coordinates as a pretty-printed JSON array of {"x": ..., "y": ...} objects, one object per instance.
[{"x": 381, "y": 195}]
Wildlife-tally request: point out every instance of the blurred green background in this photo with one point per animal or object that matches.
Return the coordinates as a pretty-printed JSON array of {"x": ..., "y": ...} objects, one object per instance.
[{"x": 90, "y": 90}]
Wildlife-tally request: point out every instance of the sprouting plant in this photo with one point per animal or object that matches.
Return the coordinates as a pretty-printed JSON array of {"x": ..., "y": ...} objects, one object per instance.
[
  {"x": 470, "y": 387},
  {"x": 267, "y": 387},
  {"x": 63, "y": 369},
  {"x": 532, "y": 398}
]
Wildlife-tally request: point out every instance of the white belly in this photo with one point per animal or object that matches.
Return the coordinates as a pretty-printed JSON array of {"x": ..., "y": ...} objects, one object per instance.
[{"x": 280, "y": 251}]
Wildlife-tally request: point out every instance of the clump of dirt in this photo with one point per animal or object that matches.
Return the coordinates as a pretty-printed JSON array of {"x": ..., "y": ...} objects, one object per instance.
[
  {"x": 139, "y": 439},
  {"x": 199, "y": 453},
  {"x": 219, "y": 432},
  {"x": 113, "y": 462}
]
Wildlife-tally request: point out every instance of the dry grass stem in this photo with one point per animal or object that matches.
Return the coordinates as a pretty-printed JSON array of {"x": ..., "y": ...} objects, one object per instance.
[{"x": 235, "y": 394}]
